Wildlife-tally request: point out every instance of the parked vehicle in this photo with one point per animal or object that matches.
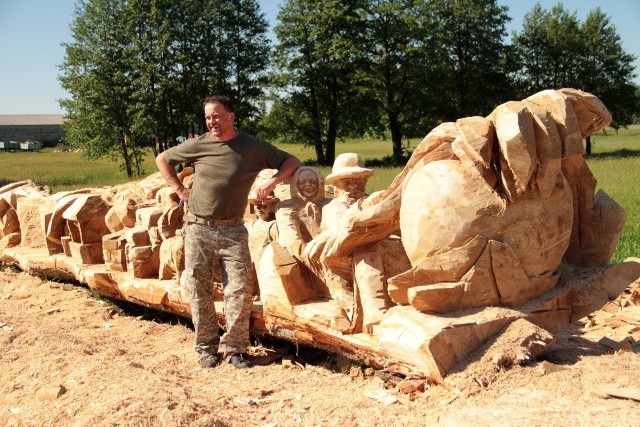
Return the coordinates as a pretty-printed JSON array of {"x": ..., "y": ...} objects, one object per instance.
[
  {"x": 11, "y": 145},
  {"x": 30, "y": 145}
]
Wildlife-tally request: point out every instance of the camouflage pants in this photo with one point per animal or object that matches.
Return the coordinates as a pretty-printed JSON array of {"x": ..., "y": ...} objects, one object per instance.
[{"x": 204, "y": 247}]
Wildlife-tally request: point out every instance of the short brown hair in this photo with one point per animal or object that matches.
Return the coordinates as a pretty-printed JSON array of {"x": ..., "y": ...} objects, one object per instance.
[{"x": 221, "y": 99}]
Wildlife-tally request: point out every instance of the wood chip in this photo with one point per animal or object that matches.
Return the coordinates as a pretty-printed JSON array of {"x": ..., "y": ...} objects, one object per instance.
[
  {"x": 550, "y": 368},
  {"x": 381, "y": 396},
  {"x": 625, "y": 344},
  {"x": 630, "y": 315},
  {"x": 431, "y": 420},
  {"x": 406, "y": 387},
  {"x": 356, "y": 374},
  {"x": 632, "y": 393},
  {"x": 610, "y": 307},
  {"x": 50, "y": 392}
]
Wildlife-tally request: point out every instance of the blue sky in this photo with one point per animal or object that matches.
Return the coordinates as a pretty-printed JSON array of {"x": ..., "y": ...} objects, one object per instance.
[{"x": 31, "y": 33}]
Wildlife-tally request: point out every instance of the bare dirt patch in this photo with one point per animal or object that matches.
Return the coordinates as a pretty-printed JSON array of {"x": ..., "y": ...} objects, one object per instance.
[{"x": 68, "y": 358}]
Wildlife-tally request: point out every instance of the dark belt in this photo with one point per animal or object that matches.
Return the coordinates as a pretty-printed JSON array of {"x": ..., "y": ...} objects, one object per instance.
[{"x": 214, "y": 222}]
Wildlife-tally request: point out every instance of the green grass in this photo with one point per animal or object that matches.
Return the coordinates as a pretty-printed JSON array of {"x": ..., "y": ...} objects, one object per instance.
[
  {"x": 615, "y": 163},
  {"x": 62, "y": 170}
]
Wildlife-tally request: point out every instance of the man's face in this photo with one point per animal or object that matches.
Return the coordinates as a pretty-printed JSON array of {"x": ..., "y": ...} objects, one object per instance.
[
  {"x": 308, "y": 184},
  {"x": 219, "y": 121}
]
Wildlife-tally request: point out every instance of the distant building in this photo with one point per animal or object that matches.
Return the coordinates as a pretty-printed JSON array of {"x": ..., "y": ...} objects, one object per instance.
[{"x": 44, "y": 128}]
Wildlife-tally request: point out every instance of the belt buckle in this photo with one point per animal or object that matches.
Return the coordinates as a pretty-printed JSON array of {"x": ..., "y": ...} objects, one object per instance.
[
  {"x": 225, "y": 222},
  {"x": 215, "y": 222}
]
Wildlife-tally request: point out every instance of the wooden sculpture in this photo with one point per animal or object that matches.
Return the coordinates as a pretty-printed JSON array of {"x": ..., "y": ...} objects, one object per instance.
[{"x": 493, "y": 219}]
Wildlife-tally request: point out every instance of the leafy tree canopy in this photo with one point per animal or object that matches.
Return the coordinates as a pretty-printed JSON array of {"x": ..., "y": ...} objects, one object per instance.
[
  {"x": 137, "y": 71},
  {"x": 556, "y": 50}
]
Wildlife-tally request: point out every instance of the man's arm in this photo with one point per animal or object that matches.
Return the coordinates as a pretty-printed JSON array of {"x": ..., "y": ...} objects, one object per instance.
[
  {"x": 170, "y": 175},
  {"x": 285, "y": 171}
]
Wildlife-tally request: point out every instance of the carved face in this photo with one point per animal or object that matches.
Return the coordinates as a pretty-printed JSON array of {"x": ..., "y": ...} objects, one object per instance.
[
  {"x": 308, "y": 184},
  {"x": 352, "y": 187},
  {"x": 266, "y": 211}
]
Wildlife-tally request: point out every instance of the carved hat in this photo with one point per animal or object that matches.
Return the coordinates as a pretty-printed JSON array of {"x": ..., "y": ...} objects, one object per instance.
[
  {"x": 271, "y": 198},
  {"x": 348, "y": 165}
]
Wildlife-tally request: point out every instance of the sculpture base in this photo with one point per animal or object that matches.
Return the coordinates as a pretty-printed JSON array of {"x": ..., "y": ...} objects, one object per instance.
[{"x": 406, "y": 341}]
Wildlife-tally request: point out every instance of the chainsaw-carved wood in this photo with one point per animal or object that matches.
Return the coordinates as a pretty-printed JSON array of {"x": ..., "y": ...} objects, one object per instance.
[{"x": 493, "y": 220}]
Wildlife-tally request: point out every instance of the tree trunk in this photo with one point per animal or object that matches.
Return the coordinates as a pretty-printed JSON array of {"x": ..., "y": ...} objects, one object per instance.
[
  {"x": 125, "y": 155},
  {"x": 332, "y": 133},
  {"x": 321, "y": 158},
  {"x": 155, "y": 149},
  {"x": 588, "y": 145},
  {"x": 396, "y": 136},
  {"x": 317, "y": 130}
]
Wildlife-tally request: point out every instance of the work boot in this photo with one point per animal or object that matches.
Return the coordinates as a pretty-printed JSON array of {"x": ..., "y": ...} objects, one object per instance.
[
  {"x": 209, "y": 360},
  {"x": 240, "y": 361}
]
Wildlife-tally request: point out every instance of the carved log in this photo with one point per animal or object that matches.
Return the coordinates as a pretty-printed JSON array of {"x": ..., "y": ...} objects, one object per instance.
[
  {"x": 123, "y": 212},
  {"x": 555, "y": 102},
  {"x": 86, "y": 219},
  {"x": 10, "y": 240},
  {"x": 57, "y": 224},
  {"x": 9, "y": 222},
  {"x": 114, "y": 251},
  {"x": 467, "y": 240},
  {"x": 87, "y": 253},
  {"x": 171, "y": 258},
  {"x": 32, "y": 215}
]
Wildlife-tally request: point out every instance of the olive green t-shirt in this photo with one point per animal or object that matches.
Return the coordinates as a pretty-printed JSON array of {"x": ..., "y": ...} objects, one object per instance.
[{"x": 224, "y": 171}]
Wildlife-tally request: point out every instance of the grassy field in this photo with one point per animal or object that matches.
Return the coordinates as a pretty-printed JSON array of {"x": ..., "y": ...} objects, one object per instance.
[
  {"x": 615, "y": 163},
  {"x": 62, "y": 170}
]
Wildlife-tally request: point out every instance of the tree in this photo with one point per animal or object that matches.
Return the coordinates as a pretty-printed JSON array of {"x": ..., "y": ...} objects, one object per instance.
[
  {"x": 556, "y": 50},
  {"x": 190, "y": 50},
  {"x": 157, "y": 116},
  {"x": 547, "y": 48},
  {"x": 636, "y": 108},
  {"x": 313, "y": 67},
  {"x": 138, "y": 70},
  {"x": 474, "y": 68},
  {"x": 396, "y": 66},
  {"x": 396, "y": 75},
  {"x": 249, "y": 56},
  {"x": 606, "y": 70},
  {"x": 96, "y": 72}
]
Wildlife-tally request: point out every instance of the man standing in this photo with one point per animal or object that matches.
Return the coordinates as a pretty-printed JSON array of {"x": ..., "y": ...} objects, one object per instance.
[{"x": 226, "y": 163}]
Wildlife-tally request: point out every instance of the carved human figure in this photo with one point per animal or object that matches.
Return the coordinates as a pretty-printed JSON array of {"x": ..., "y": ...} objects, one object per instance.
[
  {"x": 486, "y": 205},
  {"x": 298, "y": 218},
  {"x": 297, "y": 221},
  {"x": 261, "y": 227},
  {"x": 356, "y": 282}
]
